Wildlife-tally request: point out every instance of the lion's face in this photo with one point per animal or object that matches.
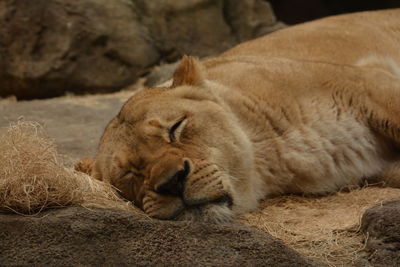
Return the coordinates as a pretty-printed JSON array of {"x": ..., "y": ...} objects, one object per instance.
[{"x": 176, "y": 153}]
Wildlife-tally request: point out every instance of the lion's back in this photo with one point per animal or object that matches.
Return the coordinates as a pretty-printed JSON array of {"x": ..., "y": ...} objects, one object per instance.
[{"x": 342, "y": 39}]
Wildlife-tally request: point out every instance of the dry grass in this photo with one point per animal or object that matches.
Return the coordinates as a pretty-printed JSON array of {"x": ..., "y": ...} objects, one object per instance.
[
  {"x": 323, "y": 228},
  {"x": 32, "y": 178}
]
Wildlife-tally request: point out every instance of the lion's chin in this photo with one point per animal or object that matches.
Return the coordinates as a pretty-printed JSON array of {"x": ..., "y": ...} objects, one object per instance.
[
  {"x": 210, "y": 213},
  {"x": 218, "y": 212},
  {"x": 201, "y": 209}
]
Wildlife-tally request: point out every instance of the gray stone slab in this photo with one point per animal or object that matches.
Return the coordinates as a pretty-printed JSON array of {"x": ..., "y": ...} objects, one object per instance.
[
  {"x": 74, "y": 123},
  {"x": 80, "y": 237}
]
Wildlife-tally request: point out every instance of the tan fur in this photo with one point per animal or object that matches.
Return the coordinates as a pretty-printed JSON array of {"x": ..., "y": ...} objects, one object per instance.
[{"x": 308, "y": 109}]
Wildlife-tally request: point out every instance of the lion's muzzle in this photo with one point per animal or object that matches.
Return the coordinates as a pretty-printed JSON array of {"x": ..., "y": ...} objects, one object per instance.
[
  {"x": 174, "y": 185},
  {"x": 177, "y": 188}
]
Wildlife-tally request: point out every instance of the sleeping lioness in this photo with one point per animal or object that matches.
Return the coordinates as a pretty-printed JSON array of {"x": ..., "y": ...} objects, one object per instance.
[{"x": 308, "y": 110}]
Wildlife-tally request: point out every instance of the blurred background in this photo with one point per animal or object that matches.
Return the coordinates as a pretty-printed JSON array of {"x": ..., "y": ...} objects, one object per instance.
[{"x": 52, "y": 47}]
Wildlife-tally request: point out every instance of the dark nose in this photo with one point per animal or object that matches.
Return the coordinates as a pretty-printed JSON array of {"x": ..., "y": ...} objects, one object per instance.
[{"x": 174, "y": 185}]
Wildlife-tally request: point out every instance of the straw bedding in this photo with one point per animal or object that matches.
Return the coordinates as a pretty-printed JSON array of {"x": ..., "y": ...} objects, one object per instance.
[
  {"x": 33, "y": 178},
  {"x": 324, "y": 228}
]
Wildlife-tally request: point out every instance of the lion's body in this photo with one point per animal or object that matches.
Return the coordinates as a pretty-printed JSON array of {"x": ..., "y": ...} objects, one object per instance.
[{"x": 309, "y": 109}]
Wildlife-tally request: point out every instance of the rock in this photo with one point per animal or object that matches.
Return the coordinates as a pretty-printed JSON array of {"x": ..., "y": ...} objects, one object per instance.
[
  {"x": 49, "y": 47},
  {"x": 195, "y": 27},
  {"x": 77, "y": 236},
  {"x": 249, "y": 18},
  {"x": 382, "y": 226}
]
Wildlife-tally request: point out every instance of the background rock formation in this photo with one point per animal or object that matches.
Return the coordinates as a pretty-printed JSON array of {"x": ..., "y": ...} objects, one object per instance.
[{"x": 49, "y": 47}]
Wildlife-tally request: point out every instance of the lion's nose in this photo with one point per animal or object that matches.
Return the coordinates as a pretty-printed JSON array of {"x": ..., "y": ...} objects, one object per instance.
[{"x": 174, "y": 185}]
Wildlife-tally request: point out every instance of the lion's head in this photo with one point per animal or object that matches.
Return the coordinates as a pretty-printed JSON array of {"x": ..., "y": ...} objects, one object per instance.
[{"x": 177, "y": 152}]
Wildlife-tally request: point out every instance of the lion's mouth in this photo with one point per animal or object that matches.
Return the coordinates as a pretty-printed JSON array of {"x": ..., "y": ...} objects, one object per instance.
[{"x": 224, "y": 199}]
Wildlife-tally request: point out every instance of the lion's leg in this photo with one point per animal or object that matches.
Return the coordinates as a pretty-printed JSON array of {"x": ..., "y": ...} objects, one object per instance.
[
  {"x": 381, "y": 109},
  {"x": 383, "y": 115}
]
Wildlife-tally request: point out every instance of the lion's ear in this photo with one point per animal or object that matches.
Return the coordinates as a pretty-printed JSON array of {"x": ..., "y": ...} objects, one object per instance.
[
  {"x": 85, "y": 165},
  {"x": 189, "y": 72}
]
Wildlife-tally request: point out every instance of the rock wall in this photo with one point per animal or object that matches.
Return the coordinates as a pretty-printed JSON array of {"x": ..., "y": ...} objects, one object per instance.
[{"x": 49, "y": 47}]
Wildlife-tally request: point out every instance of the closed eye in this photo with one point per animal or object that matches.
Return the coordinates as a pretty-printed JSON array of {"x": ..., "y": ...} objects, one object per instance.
[
  {"x": 174, "y": 131},
  {"x": 131, "y": 175}
]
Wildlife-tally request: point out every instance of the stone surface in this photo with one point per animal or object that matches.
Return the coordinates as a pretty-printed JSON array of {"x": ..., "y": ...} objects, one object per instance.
[
  {"x": 77, "y": 236},
  {"x": 49, "y": 47},
  {"x": 74, "y": 123},
  {"x": 382, "y": 226}
]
